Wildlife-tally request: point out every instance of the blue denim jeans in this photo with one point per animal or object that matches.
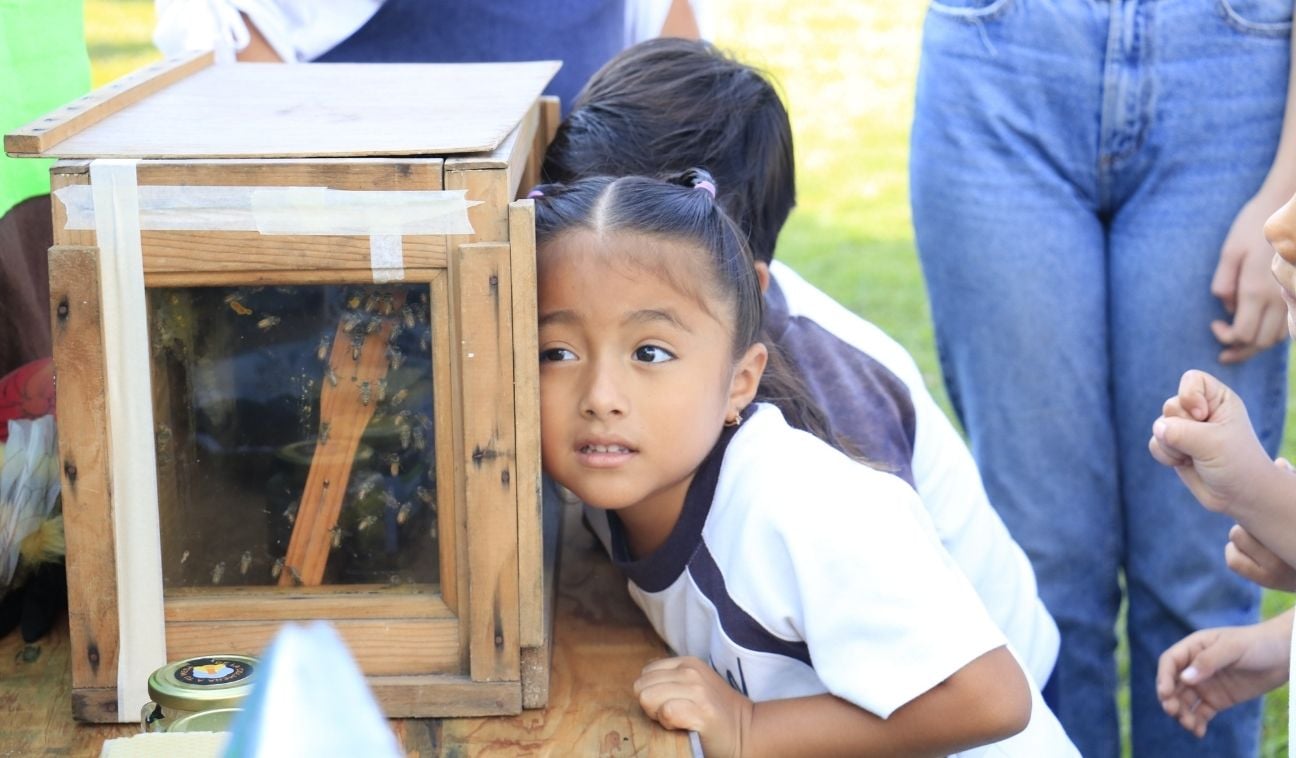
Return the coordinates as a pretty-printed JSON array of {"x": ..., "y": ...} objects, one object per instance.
[{"x": 1075, "y": 167}]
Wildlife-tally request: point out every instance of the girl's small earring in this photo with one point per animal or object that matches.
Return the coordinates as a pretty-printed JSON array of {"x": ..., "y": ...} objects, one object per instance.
[{"x": 735, "y": 421}]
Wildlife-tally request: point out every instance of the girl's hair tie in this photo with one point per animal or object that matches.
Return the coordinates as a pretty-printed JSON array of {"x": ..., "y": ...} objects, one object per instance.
[
  {"x": 537, "y": 193},
  {"x": 707, "y": 186}
]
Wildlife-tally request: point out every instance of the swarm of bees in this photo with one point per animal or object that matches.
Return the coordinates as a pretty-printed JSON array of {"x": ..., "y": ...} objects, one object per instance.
[{"x": 391, "y": 493}]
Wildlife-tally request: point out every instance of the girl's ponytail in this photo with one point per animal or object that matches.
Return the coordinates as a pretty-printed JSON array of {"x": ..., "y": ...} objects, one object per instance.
[{"x": 694, "y": 178}]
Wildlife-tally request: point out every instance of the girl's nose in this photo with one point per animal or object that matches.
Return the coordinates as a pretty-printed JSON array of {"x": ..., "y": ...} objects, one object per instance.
[{"x": 603, "y": 396}]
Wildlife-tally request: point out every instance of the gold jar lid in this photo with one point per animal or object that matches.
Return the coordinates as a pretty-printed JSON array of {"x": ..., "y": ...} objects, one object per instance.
[
  {"x": 203, "y": 683},
  {"x": 218, "y": 720}
]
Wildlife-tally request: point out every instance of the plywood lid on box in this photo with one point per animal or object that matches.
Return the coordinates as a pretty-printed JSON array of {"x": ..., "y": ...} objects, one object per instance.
[{"x": 190, "y": 109}]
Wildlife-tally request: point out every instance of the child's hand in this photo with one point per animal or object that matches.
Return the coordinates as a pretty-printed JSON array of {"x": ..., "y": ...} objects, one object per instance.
[
  {"x": 1244, "y": 285},
  {"x": 685, "y": 693},
  {"x": 1215, "y": 669},
  {"x": 1205, "y": 434},
  {"x": 1249, "y": 558}
]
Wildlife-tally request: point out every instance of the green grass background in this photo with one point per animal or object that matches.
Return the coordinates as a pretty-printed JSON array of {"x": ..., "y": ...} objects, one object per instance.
[{"x": 846, "y": 69}]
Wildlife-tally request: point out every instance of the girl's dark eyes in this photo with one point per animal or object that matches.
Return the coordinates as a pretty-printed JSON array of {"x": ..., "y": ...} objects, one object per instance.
[
  {"x": 555, "y": 354},
  {"x": 653, "y": 354}
]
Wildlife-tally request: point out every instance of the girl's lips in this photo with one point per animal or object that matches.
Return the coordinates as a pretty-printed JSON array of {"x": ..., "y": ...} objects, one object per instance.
[{"x": 604, "y": 455}]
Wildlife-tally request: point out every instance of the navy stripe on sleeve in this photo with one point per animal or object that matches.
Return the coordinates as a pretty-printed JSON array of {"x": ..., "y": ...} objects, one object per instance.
[{"x": 736, "y": 622}]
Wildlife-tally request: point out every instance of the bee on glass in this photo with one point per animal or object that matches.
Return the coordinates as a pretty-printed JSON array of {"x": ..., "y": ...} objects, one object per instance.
[{"x": 235, "y": 301}]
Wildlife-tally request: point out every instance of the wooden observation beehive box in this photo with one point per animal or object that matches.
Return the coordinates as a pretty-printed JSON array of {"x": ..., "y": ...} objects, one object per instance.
[{"x": 294, "y": 331}]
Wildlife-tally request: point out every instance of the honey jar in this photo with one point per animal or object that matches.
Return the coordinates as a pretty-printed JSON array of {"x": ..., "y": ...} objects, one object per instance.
[{"x": 198, "y": 694}]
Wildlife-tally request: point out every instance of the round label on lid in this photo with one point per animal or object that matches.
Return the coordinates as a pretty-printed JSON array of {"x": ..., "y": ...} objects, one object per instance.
[
  {"x": 204, "y": 672},
  {"x": 204, "y": 682}
]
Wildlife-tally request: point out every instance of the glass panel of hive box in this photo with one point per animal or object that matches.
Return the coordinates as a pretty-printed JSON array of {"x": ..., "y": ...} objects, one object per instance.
[{"x": 294, "y": 435}]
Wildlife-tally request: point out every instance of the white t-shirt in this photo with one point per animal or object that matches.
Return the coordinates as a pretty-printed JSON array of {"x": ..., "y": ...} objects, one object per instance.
[
  {"x": 810, "y": 325},
  {"x": 796, "y": 571}
]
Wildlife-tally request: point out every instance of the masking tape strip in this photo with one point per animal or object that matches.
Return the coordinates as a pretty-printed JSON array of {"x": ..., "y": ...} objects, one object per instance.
[
  {"x": 141, "y": 640},
  {"x": 386, "y": 258},
  {"x": 285, "y": 210}
]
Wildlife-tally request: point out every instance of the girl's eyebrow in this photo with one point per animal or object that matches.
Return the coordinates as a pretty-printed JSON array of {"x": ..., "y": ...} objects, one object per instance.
[
  {"x": 646, "y": 315},
  {"x": 649, "y": 315},
  {"x": 557, "y": 317}
]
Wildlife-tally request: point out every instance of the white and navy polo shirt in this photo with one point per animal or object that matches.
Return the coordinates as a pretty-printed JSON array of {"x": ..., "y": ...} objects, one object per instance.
[
  {"x": 794, "y": 570},
  {"x": 874, "y": 397}
]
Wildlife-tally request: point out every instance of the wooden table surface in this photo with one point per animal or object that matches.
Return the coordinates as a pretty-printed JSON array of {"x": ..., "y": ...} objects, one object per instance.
[{"x": 601, "y": 642}]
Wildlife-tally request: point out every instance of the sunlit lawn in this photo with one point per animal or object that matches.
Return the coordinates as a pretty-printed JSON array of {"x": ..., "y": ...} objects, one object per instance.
[{"x": 846, "y": 68}]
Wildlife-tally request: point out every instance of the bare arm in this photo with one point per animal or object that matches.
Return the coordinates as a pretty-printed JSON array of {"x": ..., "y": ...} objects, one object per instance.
[
  {"x": 1242, "y": 281},
  {"x": 681, "y": 21},
  {"x": 1252, "y": 559},
  {"x": 985, "y": 701},
  {"x": 258, "y": 50}
]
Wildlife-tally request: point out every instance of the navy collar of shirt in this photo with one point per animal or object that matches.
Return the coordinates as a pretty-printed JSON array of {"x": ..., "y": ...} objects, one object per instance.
[{"x": 656, "y": 572}]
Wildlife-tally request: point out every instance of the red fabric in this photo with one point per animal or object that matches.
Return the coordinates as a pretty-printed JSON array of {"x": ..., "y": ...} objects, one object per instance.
[{"x": 26, "y": 392}]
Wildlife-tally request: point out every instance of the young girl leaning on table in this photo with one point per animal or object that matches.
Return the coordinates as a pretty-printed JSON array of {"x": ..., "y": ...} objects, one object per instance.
[{"x": 806, "y": 593}]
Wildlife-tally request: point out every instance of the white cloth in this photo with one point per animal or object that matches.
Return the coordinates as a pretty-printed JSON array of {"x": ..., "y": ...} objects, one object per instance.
[
  {"x": 949, "y": 484},
  {"x": 644, "y": 19},
  {"x": 813, "y": 573},
  {"x": 29, "y": 486},
  {"x": 301, "y": 31},
  {"x": 297, "y": 30}
]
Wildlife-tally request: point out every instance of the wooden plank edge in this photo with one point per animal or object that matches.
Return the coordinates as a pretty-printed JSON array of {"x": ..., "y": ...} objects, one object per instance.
[
  {"x": 537, "y": 662},
  {"x": 526, "y": 426},
  {"x": 296, "y": 277},
  {"x": 504, "y": 154},
  {"x": 97, "y": 705},
  {"x": 437, "y": 696},
  {"x": 522, "y": 147},
  {"x": 78, "y": 349},
  {"x": 423, "y": 696},
  {"x": 485, "y": 337},
  {"x": 41, "y": 135},
  {"x": 273, "y": 604},
  {"x": 445, "y": 456}
]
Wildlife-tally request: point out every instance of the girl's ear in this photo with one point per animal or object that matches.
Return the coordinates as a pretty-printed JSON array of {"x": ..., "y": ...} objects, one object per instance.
[
  {"x": 747, "y": 375},
  {"x": 763, "y": 276}
]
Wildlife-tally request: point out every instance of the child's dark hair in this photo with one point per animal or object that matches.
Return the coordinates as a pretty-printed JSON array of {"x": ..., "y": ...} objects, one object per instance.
[
  {"x": 682, "y": 208},
  {"x": 665, "y": 105}
]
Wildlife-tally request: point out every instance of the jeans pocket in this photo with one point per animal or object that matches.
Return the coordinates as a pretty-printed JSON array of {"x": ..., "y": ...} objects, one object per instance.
[
  {"x": 1265, "y": 18},
  {"x": 970, "y": 10}
]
